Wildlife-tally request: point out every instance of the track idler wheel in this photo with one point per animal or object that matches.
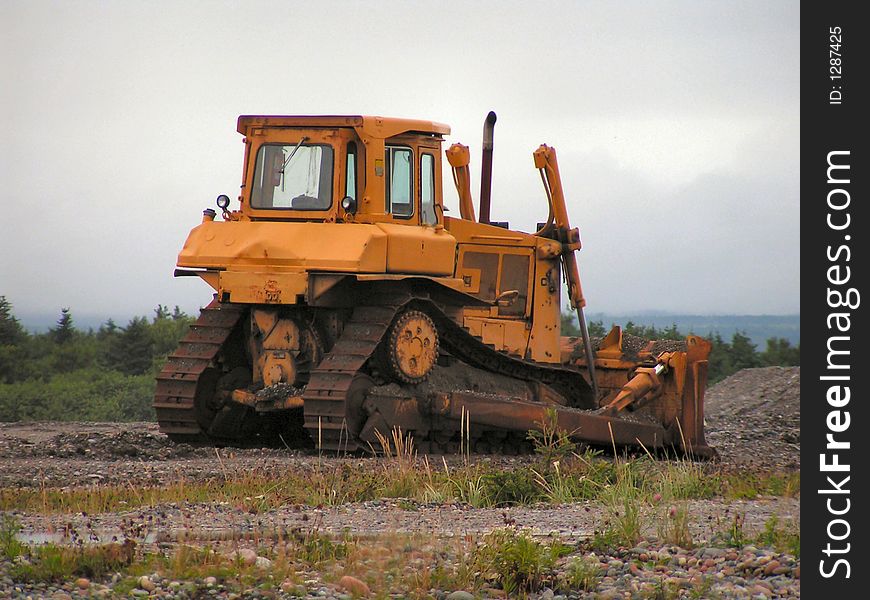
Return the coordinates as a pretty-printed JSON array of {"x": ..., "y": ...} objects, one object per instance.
[{"x": 411, "y": 347}]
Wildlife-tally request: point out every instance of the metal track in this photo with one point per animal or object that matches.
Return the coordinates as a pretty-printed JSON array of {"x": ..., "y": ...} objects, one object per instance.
[
  {"x": 570, "y": 383},
  {"x": 327, "y": 413},
  {"x": 333, "y": 418},
  {"x": 189, "y": 375}
]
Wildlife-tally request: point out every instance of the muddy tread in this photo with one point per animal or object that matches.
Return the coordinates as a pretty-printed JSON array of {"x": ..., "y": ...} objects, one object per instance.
[{"x": 177, "y": 383}]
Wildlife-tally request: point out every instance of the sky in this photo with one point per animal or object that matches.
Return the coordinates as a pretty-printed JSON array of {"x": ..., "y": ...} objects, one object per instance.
[{"x": 676, "y": 125}]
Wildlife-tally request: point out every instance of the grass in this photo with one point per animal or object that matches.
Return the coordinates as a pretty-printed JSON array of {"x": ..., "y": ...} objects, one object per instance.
[
  {"x": 52, "y": 563},
  {"x": 562, "y": 474},
  {"x": 10, "y": 547},
  {"x": 781, "y": 537},
  {"x": 409, "y": 565},
  {"x": 731, "y": 534},
  {"x": 673, "y": 527},
  {"x": 583, "y": 573},
  {"x": 515, "y": 561},
  {"x": 747, "y": 486},
  {"x": 584, "y": 476}
]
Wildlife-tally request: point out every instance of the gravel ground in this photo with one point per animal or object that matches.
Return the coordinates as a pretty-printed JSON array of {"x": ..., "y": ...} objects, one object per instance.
[{"x": 753, "y": 419}]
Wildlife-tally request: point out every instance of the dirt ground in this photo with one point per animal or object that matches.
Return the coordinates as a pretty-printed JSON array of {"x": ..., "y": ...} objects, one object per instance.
[{"x": 752, "y": 418}]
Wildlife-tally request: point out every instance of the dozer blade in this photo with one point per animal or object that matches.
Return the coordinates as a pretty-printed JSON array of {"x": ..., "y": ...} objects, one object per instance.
[{"x": 660, "y": 384}]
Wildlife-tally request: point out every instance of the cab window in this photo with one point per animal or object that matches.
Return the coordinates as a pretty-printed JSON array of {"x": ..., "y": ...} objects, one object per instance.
[
  {"x": 350, "y": 181},
  {"x": 295, "y": 176},
  {"x": 399, "y": 181},
  {"x": 427, "y": 190}
]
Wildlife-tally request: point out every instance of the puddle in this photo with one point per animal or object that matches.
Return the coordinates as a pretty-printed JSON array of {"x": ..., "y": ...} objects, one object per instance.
[{"x": 60, "y": 538}]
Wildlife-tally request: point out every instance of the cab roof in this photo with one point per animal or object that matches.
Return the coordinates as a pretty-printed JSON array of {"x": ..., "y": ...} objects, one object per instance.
[{"x": 368, "y": 126}]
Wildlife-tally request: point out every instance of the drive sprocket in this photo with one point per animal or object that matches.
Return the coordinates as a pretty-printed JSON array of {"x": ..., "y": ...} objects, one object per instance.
[{"x": 412, "y": 347}]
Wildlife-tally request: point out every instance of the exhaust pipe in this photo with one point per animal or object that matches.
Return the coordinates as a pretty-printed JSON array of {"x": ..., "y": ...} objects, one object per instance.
[{"x": 486, "y": 167}]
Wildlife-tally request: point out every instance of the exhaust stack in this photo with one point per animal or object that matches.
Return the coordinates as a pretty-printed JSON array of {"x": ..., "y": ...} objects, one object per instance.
[{"x": 486, "y": 167}]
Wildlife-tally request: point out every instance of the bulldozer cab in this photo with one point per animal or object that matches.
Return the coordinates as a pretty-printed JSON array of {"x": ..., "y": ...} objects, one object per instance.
[{"x": 342, "y": 169}]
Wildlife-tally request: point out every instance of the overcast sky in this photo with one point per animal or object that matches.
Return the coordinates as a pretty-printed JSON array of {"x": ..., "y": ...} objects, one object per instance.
[{"x": 676, "y": 125}]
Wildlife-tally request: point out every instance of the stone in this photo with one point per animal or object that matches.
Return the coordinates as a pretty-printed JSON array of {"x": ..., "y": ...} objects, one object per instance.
[
  {"x": 210, "y": 581},
  {"x": 760, "y": 590},
  {"x": 460, "y": 595},
  {"x": 354, "y": 585},
  {"x": 83, "y": 583},
  {"x": 146, "y": 584},
  {"x": 770, "y": 567},
  {"x": 246, "y": 556},
  {"x": 261, "y": 562}
]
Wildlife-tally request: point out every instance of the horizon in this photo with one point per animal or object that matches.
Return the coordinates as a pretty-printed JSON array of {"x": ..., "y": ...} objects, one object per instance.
[{"x": 38, "y": 323}]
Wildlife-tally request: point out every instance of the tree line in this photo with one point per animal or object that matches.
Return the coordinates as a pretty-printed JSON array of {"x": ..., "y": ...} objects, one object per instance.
[
  {"x": 726, "y": 358},
  {"x": 108, "y": 374},
  {"x": 96, "y": 375}
]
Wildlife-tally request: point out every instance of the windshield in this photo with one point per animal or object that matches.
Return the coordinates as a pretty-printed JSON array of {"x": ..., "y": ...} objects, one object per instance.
[{"x": 296, "y": 176}]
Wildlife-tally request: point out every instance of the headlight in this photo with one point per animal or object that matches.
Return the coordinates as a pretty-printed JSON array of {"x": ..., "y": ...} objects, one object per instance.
[
  {"x": 223, "y": 201},
  {"x": 348, "y": 204}
]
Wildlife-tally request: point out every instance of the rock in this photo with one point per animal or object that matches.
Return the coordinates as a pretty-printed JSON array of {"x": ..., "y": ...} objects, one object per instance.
[
  {"x": 760, "y": 590},
  {"x": 210, "y": 581},
  {"x": 770, "y": 567},
  {"x": 354, "y": 585},
  {"x": 146, "y": 584},
  {"x": 246, "y": 556},
  {"x": 261, "y": 562},
  {"x": 460, "y": 595},
  {"x": 83, "y": 583}
]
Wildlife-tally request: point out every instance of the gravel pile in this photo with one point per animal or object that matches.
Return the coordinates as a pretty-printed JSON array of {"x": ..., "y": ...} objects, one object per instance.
[{"x": 753, "y": 418}]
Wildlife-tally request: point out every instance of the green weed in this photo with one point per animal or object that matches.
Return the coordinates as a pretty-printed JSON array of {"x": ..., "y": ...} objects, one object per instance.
[
  {"x": 10, "y": 547},
  {"x": 583, "y": 573},
  {"x": 782, "y": 538}
]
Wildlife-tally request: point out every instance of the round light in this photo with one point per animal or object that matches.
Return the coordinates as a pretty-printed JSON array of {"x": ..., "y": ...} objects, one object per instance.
[
  {"x": 348, "y": 204},
  {"x": 223, "y": 201}
]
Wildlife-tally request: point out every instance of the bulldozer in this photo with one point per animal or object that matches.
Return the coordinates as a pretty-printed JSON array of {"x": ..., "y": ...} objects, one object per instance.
[{"x": 348, "y": 305}]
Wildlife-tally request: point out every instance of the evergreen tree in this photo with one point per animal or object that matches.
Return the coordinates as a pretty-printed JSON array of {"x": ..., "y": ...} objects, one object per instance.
[
  {"x": 596, "y": 329},
  {"x": 780, "y": 352},
  {"x": 743, "y": 354},
  {"x": 65, "y": 329},
  {"x": 569, "y": 325},
  {"x": 11, "y": 331},
  {"x": 719, "y": 365},
  {"x": 131, "y": 351},
  {"x": 161, "y": 312}
]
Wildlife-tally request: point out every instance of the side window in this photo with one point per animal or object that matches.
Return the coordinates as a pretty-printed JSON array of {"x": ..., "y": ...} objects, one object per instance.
[
  {"x": 400, "y": 199},
  {"x": 350, "y": 182},
  {"x": 427, "y": 190}
]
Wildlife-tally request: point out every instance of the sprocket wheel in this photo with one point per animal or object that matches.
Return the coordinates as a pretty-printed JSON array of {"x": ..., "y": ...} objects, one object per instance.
[{"x": 412, "y": 347}]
